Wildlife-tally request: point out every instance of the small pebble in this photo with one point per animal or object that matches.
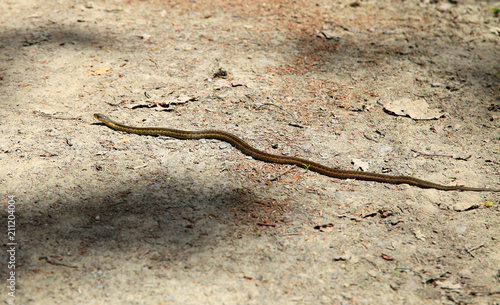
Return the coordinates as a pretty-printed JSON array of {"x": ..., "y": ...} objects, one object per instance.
[{"x": 385, "y": 148}]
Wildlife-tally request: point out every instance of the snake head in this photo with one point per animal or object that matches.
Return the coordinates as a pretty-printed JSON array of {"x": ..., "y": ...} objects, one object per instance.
[{"x": 101, "y": 117}]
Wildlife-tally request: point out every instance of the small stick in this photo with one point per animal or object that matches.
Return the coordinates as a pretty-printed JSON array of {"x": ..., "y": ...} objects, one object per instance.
[
  {"x": 438, "y": 155},
  {"x": 46, "y": 115},
  {"x": 55, "y": 263}
]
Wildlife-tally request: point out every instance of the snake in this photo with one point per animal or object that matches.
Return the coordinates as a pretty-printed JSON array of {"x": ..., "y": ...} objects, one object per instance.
[{"x": 249, "y": 150}]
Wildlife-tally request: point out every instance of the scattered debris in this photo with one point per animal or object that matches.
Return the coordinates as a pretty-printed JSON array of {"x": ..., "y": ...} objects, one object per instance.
[
  {"x": 161, "y": 103},
  {"x": 324, "y": 228},
  {"x": 220, "y": 73},
  {"x": 36, "y": 38}
]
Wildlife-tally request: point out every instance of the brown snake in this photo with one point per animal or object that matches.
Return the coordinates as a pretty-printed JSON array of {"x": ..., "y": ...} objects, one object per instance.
[{"x": 263, "y": 156}]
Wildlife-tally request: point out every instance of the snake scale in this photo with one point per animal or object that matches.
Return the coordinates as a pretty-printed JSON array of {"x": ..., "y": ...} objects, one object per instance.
[{"x": 245, "y": 148}]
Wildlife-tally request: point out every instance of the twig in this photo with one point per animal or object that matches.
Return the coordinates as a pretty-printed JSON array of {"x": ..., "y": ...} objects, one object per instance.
[
  {"x": 264, "y": 224},
  {"x": 438, "y": 155},
  {"x": 472, "y": 207},
  {"x": 370, "y": 138},
  {"x": 139, "y": 166},
  {"x": 154, "y": 62},
  {"x": 254, "y": 16},
  {"x": 258, "y": 105},
  {"x": 46, "y": 115},
  {"x": 282, "y": 174},
  {"x": 55, "y": 263},
  {"x": 476, "y": 247},
  {"x": 291, "y": 123},
  {"x": 473, "y": 249}
]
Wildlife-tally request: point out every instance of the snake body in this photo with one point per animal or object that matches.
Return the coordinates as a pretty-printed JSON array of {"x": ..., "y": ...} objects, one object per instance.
[{"x": 245, "y": 148}]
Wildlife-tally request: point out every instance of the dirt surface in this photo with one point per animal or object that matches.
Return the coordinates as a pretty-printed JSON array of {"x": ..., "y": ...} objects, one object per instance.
[{"x": 105, "y": 217}]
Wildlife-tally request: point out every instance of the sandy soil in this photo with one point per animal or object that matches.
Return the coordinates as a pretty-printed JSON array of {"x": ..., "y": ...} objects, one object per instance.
[{"x": 104, "y": 217}]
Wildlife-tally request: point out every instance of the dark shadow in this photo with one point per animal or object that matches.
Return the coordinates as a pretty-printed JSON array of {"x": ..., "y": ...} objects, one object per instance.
[
  {"x": 321, "y": 55},
  {"x": 180, "y": 219},
  {"x": 48, "y": 39}
]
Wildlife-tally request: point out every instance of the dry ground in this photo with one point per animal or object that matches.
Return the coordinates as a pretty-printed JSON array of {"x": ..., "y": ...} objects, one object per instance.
[{"x": 104, "y": 217}]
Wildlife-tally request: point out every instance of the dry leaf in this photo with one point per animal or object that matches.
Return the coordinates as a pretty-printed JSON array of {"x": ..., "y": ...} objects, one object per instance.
[
  {"x": 101, "y": 71},
  {"x": 415, "y": 109},
  {"x": 418, "y": 234},
  {"x": 221, "y": 84},
  {"x": 237, "y": 84},
  {"x": 448, "y": 284},
  {"x": 330, "y": 34},
  {"x": 495, "y": 30},
  {"x": 359, "y": 164},
  {"x": 178, "y": 100}
]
